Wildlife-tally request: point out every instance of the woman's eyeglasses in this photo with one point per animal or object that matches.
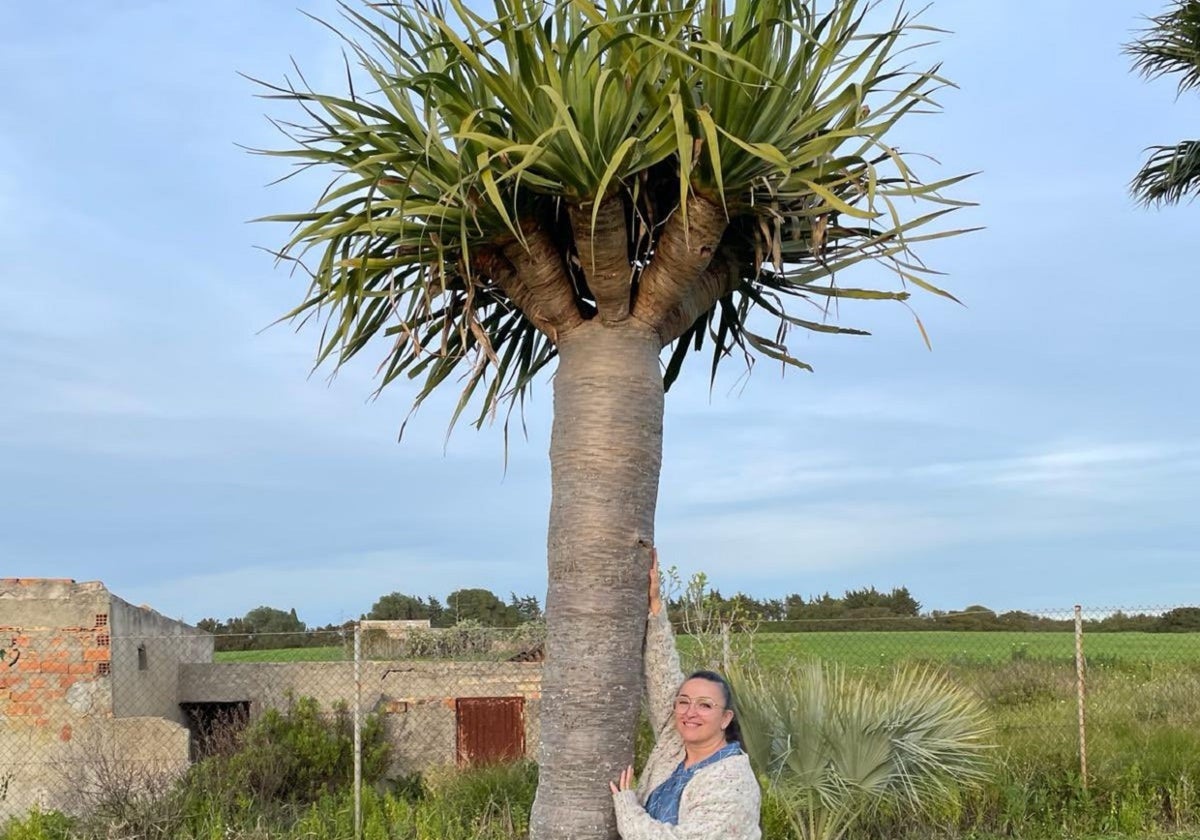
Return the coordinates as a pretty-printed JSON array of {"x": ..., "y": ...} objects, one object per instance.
[{"x": 703, "y": 705}]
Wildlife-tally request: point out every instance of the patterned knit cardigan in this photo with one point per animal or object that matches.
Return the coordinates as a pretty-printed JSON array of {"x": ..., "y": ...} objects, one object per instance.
[{"x": 721, "y": 802}]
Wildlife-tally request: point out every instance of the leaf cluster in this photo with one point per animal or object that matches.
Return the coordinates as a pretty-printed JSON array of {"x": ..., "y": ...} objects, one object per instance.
[{"x": 462, "y": 137}]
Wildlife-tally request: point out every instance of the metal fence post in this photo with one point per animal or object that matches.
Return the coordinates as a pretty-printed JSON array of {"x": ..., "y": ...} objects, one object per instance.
[
  {"x": 357, "y": 732},
  {"x": 1081, "y": 686}
]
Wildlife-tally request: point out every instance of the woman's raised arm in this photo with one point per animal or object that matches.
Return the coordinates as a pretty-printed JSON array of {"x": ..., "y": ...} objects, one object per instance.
[{"x": 663, "y": 672}]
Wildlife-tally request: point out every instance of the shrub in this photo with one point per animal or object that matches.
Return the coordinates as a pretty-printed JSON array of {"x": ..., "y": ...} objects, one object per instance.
[
  {"x": 467, "y": 639},
  {"x": 831, "y": 748},
  {"x": 39, "y": 825},
  {"x": 293, "y": 755}
]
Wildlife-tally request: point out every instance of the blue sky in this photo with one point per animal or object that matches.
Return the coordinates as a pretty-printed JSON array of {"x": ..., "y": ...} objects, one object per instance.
[{"x": 155, "y": 437}]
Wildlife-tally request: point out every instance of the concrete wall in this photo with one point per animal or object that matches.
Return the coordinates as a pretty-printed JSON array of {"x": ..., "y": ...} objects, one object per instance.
[
  {"x": 147, "y": 650},
  {"x": 415, "y": 699},
  {"x": 103, "y": 756}
]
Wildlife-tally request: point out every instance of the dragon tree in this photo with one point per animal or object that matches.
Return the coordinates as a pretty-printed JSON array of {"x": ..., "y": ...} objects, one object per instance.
[{"x": 603, "y": 190}]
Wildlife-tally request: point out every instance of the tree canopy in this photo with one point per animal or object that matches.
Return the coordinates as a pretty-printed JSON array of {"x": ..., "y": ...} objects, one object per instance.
[
  {"x": 694, "y": 167},
  {"x": 398, "y": 606},
  {"x": 481, "y": 605}
]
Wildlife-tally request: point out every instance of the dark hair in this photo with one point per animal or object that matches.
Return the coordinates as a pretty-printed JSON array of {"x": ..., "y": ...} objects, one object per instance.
[{"x": 733, "y": 732}]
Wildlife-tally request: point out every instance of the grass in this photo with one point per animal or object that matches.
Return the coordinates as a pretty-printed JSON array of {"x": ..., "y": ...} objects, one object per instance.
[
  {"x": 486, "y": 804},
  {"x": 340, "y": 653}
]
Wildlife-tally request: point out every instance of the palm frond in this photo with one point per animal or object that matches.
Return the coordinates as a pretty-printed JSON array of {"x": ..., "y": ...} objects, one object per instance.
[
  {"x": 1170, "y": 45},
  {"x": 1170, "y": 174}
]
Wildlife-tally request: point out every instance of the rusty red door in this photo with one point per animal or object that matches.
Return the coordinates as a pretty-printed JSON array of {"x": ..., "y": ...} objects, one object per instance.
[{"x": 490, "y": 729}]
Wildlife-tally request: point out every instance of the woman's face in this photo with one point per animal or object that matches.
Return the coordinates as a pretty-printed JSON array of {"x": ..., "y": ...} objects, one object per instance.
[{"x": 700, "y": 713}]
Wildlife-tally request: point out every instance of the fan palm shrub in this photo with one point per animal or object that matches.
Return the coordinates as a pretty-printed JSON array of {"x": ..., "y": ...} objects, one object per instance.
[
  {"x": 830, "y": 746},
  {"x": 601, "y": 189}
]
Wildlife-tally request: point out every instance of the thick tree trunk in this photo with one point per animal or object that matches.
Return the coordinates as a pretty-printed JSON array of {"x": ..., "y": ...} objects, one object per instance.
[{"x": 605, "y": 455}]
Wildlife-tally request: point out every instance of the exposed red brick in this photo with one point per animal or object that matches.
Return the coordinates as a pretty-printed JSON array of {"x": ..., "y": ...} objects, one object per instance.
[
  {"x": 96, "y": 655},
  {"x": 79, "y": 668},
  {"x": 42, "y": 721},
  {"x": 58, "y": 668},
  {"x": 24, "y": 696},
  {"x": 66, "y": 682},
  {"x": 38, "y": 682},
  {"x": 64, "y": 734}
]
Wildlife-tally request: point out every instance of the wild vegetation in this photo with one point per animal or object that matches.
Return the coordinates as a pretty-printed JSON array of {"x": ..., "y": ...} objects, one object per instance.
[{"x": 1143, "y": 780}]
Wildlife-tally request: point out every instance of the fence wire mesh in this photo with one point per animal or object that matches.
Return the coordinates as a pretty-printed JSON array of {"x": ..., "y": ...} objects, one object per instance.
[
  {"x": 90, "y": 716},
  {"x": 97, "y": 709},
  {"x": 1099, "y": 682}
]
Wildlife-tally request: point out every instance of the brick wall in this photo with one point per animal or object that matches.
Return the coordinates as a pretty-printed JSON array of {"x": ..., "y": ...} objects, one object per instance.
[
  {"x": 57, "y": 676},
  {"x": 57, "y": 654}
]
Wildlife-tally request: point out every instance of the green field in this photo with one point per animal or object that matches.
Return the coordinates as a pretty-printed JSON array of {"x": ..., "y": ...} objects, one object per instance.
[
  {"x": 340, "y": 653},
  {"x": 959, "y": 647},
  {"x": 885, "y": 648}
]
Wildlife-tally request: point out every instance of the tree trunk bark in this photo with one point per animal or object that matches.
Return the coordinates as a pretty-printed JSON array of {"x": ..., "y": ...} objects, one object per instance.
[{"x": 605, "y": 456}]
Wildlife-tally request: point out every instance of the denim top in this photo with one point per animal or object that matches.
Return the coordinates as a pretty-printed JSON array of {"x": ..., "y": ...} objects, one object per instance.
[{"x": 663, "y": 803}]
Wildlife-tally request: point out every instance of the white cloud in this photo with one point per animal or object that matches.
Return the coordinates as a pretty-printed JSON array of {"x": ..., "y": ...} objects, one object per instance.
[{"x": 1103, "y": 470}]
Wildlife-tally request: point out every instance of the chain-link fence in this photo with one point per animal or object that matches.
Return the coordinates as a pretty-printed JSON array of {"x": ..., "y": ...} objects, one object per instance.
[
  {"x": 91, "y": 716},
  {"x": 1085, "y": 682},
  {"x": 118, "y": 702}
]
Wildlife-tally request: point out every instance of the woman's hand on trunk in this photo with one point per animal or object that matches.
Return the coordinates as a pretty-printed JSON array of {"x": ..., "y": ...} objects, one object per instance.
[{"x": 623, "y": 783}]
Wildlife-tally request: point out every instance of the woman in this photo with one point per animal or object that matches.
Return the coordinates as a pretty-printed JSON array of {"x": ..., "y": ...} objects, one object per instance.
[{"x": 697, "y": 783}]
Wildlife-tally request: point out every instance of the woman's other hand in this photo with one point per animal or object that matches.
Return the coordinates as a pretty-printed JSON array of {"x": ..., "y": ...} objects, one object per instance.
[{"x": 623, "y": 783}]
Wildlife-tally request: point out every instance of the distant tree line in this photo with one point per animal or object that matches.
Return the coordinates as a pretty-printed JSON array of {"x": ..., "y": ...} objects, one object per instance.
[
  {"x": 478, "y": 605},
  {"x": 869, "y": 609},
  {"x": 866, "y": 609},
  {"x": 269, "y": 628}
]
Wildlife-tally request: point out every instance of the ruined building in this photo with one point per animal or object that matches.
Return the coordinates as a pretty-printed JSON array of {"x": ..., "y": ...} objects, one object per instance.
[{"x": 95, "y": 691}]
